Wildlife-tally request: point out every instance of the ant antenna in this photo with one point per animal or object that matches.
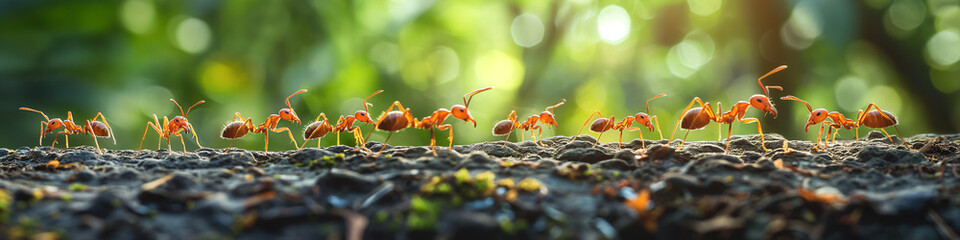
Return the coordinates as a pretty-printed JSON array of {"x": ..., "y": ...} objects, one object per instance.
[
  {"x": 365, "y": 104},
  {"x": 188, "y": 109},
  {"x": 550, "y": 108},
  {"x": 36, "y": 111},
  {"x": 766, "y": 92},
  {"x": 791, "y": 97},
  {"x": 648, "y": 101},
  {"x": 288, "y": 101},
  {"x": 466, "y": 101},
  {"x": 178, "y": 106}
]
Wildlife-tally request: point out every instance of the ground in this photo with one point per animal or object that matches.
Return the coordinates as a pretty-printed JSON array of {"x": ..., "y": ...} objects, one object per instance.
[{"x": 869, "y": 189}]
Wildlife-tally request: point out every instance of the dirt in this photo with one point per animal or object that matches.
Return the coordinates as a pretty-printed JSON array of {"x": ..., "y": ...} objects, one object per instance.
[{"x": 868, "y": 189}]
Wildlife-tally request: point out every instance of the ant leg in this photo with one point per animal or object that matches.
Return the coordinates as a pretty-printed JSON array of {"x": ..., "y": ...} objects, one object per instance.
[
  {"x": 149, "y": 124},
  {"x": 508, "y": 138},
  {"x": 195, "y": 133},
  {"x": 266, "y": 141},
  {"x": 729, "y": 131},
  {"x": 289, "y": 133},
  {"x": 643, "y": 143},
  {"x": 598, "y": 139},
  {"x": 759, "y": 130},
  {"x": 539, "y": 136},
  {"x": 41, "y": 131},
  {"x": 384, "y": 144},
  {"x": 449, "y": 129},
  {"x": 338, "y": 138},
  {"x": 902, "y": 139},
  {"x": 657, "y": 121},
  {"x": 182, "y": 143},
  {"x": 620, "y": 140},
  {"x": 684, "y": 140},
  {"x": 595, "y": 113},
  {"x": 888, "y": 135},
  {"x": 95, "y": 142}
]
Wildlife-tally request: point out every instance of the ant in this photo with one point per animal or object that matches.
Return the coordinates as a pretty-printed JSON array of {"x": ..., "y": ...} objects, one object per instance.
[
  {"x": 545, "y": 117},
  {"x": 641, "y": 118},
  {"x": 345, "y": 124},
  {"x": 435, "y": 120},
  {"x": 602, "y": 125},
  {"x": 698, "y": 118},
  {"x": 816, "y": 116},
  {"x": 878, "y": 119},
  {"x": 317, "y": 129},
  {"x": 92, "y": 126},
  {"x": 237, "y": 129},
  {"x": 171, "y": 127},
  {"x": 393, "y": 121},
  {"x": 506, "y": 126}
]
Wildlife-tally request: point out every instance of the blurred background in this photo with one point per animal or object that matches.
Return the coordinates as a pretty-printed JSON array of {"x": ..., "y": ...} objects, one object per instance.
[{"x": 126, "y": 58}]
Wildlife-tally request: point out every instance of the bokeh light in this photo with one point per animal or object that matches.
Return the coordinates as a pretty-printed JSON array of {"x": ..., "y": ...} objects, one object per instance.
[
  {"x": 613, "y": 24},
  {"x": 193, "y": 35},
  {"x": 527, "y": 30}
]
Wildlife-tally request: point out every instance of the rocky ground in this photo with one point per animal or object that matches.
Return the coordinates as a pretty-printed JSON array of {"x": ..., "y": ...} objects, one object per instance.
[{"x": 869, "y": 189}]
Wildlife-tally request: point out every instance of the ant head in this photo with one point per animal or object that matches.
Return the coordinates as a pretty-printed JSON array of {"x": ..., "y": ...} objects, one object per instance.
[
  {"x": 363, "y": 116},
  {"x": 817, "y": 116},
  {"x": 762, "y": 103},
  {"x": 180, "y": 122},
  {"x": 52, "y": 125},
  {"x": 461, "y": 112},
  {"x": 547, "y": 118},
  {"x": 644, "y": 119},
  {"x": 289, "y": 115}
]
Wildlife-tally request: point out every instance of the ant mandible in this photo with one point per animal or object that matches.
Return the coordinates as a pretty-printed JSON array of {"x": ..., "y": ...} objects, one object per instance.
[
  {"x": 345, "y": 124},
  {"x": 92, "y": 126},
  {"x": 545, "y": 117},
  {"x": 317, "y": 129},
  {"x": 239, "y": 128},
  {"x": 174, "y": 127},
  {"x": 435, "y": 120},
  {"x": 698, "y": 118}
]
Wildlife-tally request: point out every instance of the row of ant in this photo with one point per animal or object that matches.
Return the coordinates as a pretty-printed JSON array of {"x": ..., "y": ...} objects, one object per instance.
[{"x": 391, "y": 120}]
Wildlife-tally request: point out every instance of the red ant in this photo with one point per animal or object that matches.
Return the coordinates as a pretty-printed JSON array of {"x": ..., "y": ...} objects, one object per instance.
[
  {"x": 237, "y": 129},
  {"x": 92, "y": 126},
  {"x": 393, "y": 121},
  {"x": 816, "y": 116},
  {"x": 171, "y": 127},
  {"x": 345, "y": 124},
  {"x": 602, "y": 125},
  {"x": 506, "y": 126},
  {"x": 545, "y": 117},
  {"x": 698, "y": 118},
  {"x": 879, "y": 119},
  {"x": 317, "y": 129},
  {"x": 435, "y": 120}
]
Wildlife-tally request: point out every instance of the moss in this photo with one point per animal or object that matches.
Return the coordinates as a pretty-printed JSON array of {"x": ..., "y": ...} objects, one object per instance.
[
  {"x": 462, "y": 176},
  {"x": 66, "y": 197},
  {"x": 340, "y": 156},
  {"x": 424, "y": 213},
  {"x": 485, "y": 181},
  {"x": 443, "y": 188},
  {"x": 5, "y": 201},
  {"x": 507, "y": 182},
  {"x": 529, "y": 185}
]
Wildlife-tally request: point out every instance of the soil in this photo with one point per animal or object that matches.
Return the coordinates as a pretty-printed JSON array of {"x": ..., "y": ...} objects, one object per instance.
[{"x": 869, "y": 189}]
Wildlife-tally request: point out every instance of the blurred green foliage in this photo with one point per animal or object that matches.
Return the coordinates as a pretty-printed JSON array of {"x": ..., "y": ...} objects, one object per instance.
[{"x": 125, "y": 58}]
